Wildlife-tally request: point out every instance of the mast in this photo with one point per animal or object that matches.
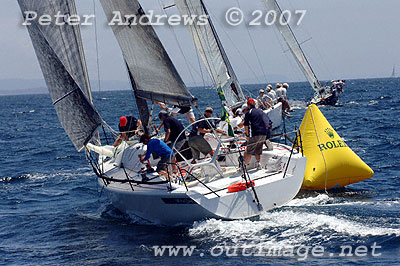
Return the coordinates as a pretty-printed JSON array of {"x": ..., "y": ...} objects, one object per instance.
[
  {"x": 210, "y": 48},
  {"x": 140, "y": 103},
  {"x": 60, "y": 54},
  {"x": 294, "y": 45}
]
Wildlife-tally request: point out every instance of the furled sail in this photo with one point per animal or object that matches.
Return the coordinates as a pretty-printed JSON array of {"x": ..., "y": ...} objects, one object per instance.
[
  {"x": 293, "y": 44},
  {"x": 211, "y": 50},
  {"x": 153, "y": 74},
  {"x": 60, "y": 54}
]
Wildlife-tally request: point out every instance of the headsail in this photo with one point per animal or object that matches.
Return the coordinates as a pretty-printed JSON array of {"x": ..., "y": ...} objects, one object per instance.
[
  {"x": 293, "y": 44},
  {"x": 210, "y": 48},
  {"x": 60, "y": 54},
  {"x": 152, "y": 70}
]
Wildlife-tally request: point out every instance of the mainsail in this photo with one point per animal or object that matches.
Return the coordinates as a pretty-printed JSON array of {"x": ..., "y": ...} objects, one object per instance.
[
  {"x": 61, "y": 58},
  {"x": 293, "y": 44},
  {"x": 152, "y": 73},
  {"x": 210, "y": 48}
]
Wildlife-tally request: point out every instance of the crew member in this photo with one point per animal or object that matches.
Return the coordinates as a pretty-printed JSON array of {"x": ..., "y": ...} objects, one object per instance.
[
  {"x": 262, "y": 101},
  {"x": 186, "y": 111},
  {"x": 271, "y": 94},
  {"x": 161, "y": 149},
  {"x": 197, "y": 143},
  {"x": 173, "y": 128},
  {"x": 256, "y": 124},
  {"x": 281, "y": 94},
  {"x": 128, "y": 126}
]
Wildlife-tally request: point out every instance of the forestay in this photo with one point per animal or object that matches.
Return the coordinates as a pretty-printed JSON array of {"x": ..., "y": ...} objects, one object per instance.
[
  {"x": 154, "y": 76},
  {"x": 61, "y": 58},
  {"x": 211, "y": 50},
  {"x": 293, "y": 44}
]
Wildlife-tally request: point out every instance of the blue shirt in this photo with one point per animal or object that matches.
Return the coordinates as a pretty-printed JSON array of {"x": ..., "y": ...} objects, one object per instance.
[{"x": 159, "y": 147}]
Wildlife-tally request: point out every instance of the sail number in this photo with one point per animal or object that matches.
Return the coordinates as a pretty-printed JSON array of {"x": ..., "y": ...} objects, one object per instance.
[{"x": 272, "y": 17}]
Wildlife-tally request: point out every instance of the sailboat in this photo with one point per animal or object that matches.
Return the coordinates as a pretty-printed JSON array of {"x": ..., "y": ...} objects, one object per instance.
[
  {"x": 323, "y": 95},
  {"x": 208, "y": 189},
  {"x": 393, "y": 72}
]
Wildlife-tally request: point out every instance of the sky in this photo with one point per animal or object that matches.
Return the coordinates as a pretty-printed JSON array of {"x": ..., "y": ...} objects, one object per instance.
[{"x": 349, "y": 40}]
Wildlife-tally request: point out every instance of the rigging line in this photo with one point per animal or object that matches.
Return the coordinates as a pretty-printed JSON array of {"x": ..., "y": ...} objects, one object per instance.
[
  {"x": 78, "y": 36},
  {"x": 292, "y": 66},
  {"x": 202, "y": 46},
  {"x": 254, "y": 47},
  {"x": 201, "y": 69},
  {"x": 237, "y": 49},
  {"x": 177, "y": 41},
  {"x": 97, "y": 44},
  {"x": 68, "y": 57},
  {"x": 323, "y": 156},
  {"x": 313, "y": 44},
  {"x": 315, "y": 79},
  {"x": 222, "y": 53},
  {"x": 64, "y": 43}
]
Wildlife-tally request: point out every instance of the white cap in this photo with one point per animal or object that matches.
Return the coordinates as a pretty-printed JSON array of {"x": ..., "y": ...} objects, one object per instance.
[
  {"x": 261, "y": 91},
  {"x": 239, "y": 111},
  {"x": 285, "y": 85},
  {"x": 244, "y": 106},
  {"x": 278, "y": 85}
]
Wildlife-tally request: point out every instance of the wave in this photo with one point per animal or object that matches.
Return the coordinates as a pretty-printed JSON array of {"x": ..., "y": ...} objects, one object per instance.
[
  {"x": 321, "y": 199},
  {"x": 294, "y": 104},
  {"x": 25, "y": 112},
  {"x": 353, "y": 102},
  {"x": 285, "y": 227},
  {"x": 42, "y": 176}
]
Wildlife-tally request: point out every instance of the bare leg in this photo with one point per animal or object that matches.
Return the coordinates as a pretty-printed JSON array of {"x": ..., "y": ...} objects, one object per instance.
[
  {"x": 247, "y": 158},
  {"x": 117, "y": 141},
  {"x": 257, "y": 157}
]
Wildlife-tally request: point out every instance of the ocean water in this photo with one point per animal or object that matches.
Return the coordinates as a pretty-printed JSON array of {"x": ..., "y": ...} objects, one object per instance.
[{"x": 53, "y": 213}]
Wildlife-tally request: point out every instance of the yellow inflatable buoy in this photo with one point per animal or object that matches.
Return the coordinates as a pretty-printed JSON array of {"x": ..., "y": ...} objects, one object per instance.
[{"x": 330, "y": 162}]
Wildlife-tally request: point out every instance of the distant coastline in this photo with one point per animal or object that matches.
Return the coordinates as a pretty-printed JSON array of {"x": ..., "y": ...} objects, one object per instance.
[{"x": 10, "y": 87}]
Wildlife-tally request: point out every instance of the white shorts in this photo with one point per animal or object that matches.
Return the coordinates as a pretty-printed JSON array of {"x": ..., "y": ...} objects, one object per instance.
[{"x": 189, "y": 115}]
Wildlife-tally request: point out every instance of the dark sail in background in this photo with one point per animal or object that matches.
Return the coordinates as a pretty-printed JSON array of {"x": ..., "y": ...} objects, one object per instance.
[
  {"x": 61, "y": 58},
  {"x": 152, "y": 71}
]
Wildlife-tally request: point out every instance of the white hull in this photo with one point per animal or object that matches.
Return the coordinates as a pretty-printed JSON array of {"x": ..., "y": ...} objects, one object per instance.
[
  {"x": 275, "y": 115},
  {"x": 161, "y": 205}
]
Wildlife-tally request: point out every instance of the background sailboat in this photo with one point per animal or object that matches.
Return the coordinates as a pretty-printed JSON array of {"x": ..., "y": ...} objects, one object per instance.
[
  {"x": 321, "y": 93},
  {"x": 393, "y": 72}
]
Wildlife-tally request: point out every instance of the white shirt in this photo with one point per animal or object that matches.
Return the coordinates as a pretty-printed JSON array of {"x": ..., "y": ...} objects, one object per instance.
[
  {"x": 272, "y": 96},
  {"x": 235, "y": 122},
  {"x": 281, "y": 93}
]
